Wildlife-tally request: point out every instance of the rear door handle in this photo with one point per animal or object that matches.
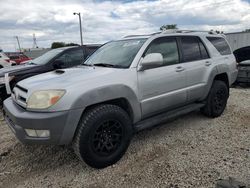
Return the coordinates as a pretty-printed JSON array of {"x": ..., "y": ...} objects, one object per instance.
[
  {"x": 179, "y": 69},
  {"x": 208, "y": 63}
]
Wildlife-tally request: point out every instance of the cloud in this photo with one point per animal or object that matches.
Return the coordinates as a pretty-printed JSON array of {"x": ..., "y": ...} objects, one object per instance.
[{"x": 108, "y": 20}]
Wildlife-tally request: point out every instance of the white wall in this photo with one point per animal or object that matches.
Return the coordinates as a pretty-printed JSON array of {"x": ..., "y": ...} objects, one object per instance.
[{"x": 238, "y": 40}]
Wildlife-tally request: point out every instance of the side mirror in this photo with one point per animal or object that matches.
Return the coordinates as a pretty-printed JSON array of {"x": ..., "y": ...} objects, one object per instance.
[
  {"x": 151, "y": 61},
  {"x": 57, "y": 64}
]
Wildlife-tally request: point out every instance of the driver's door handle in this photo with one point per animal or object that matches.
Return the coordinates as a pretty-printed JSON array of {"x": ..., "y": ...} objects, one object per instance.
[
  {"x": 179, "y": 69},
  {"x": 208, "y": 63}
]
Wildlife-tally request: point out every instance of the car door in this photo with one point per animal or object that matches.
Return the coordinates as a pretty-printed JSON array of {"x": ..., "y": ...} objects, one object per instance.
[
  {"x": 163, "y": 87},
  {"x": 196, "y": 58}
]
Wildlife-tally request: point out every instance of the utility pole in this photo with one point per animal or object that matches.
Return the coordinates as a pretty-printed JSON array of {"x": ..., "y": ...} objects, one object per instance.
[
  {"x": 80, "y": 23},
  {"x": 18, "y": 43}
]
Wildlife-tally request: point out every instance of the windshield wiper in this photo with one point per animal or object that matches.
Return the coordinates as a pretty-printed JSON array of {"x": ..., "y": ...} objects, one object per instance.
[
  {"x": 107, "y": 65},
  {"x": 89, "y": 65}
]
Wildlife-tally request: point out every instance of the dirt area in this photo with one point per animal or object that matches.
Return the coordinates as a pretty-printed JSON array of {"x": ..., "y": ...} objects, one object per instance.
[{"x": 192, "y": 151}]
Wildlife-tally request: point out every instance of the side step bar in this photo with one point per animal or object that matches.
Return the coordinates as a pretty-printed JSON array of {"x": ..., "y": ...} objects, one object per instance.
[{"x": 167, "y": 116}]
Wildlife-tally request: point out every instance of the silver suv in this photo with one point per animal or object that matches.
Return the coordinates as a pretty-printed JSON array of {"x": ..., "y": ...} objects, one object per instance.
[{"x": 126, "y": 86}]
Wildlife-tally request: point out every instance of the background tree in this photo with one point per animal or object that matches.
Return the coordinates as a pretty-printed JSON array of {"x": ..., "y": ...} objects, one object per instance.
[
  {"x": 219, "y": 32},
  {"x": 57, "y": 45},
  {"x": 62, "y": 44},
  {"x": 170, "y": 26},
  {"x": 247, "y": 30},
  {"x": 72, "y": 44}
]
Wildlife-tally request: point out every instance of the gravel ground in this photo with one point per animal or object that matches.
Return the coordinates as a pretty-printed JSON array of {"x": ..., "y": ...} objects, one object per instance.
[{"x": 192, "y": 151}]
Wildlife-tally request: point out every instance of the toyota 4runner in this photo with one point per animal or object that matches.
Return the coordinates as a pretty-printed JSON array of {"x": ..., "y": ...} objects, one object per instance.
[{"x": 126, "y": 86}]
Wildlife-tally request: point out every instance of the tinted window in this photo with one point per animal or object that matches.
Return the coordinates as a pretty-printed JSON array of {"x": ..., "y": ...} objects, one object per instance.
[
  {"x": 190, "y": 49},
  {"x": 220, "y": 44},
  {"x": 71, "y": 58},
  {"x": 14, "y": 57},
  {"x": 167, "y": 47},
  {"x": 90, "y": 50},
  {"x": 204, "y": 54}
]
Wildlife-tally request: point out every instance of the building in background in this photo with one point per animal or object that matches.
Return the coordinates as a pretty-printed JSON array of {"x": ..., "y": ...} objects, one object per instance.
[{"x": 240, "y": 44}]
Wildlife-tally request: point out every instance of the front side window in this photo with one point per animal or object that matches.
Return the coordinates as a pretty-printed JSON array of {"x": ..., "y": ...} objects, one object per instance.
[
  {"x": 167, "y": 47},
  {"x": 118, "y": 54},
  {"x": 71, "y": 58},
  {"x": 220, "y": 44}
]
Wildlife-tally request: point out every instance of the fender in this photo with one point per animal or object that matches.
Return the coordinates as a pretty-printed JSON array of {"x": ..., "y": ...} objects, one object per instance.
[
  {"x": 106, "y": 93},
  {"x": 219, "y": 69},
  {"x": 208, "y": 86}
]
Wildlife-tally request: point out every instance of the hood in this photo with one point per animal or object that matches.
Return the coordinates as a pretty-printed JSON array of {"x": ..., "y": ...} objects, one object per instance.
[
  {"x": 13, "y": 69},
  {"x": 63, "y": 78},
  {"x": 242, "y": 54}
]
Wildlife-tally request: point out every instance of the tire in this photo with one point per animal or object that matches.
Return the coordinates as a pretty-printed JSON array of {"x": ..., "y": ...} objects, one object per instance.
[
  {"x": 216, "y": 100},
  {"x": 103, "y": 135}
]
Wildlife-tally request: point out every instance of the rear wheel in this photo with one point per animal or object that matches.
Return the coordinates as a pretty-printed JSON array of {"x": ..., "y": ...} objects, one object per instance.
[
  {"x": 217, "y": 99},
  {"x": 103, "y": 135}
]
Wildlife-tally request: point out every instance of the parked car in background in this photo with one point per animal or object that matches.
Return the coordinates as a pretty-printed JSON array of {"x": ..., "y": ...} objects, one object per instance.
[
  {"x": 19, "y": 58},
  {"x": 126, "y": 86},
  {"x": 54, "y": 59},
  {"x": 5, "y": 61},
  {"x": 244, "y": 72}
]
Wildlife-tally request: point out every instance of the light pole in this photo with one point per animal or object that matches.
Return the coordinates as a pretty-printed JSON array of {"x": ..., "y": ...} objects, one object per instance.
[
  {"x": 80, "y": 22},
  {"x": 18, "y": 43}
]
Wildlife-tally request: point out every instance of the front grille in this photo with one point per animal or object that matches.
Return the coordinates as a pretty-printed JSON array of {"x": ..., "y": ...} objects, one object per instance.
[
  {"x": 22, "y": 89},
  {"x": 19, "y": 95}
]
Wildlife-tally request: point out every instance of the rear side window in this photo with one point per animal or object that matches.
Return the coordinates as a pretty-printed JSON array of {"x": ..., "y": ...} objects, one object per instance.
[
  {"x": 193, "y": 49},
  {"x": 220, "y": 44}
]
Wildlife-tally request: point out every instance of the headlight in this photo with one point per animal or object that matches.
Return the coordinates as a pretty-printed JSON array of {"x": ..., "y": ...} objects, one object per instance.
[{"x": 44, "y": 98}]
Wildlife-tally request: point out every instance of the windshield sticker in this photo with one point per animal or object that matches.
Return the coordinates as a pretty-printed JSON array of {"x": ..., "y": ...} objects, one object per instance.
[{"x": 132, "y": 43}]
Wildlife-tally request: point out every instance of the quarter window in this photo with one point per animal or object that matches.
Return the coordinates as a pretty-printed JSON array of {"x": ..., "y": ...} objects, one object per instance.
[
  {"x": 220, "y": 44},
  {"x": 167, "y": 47},
  {"x": 204, "y": 54}
]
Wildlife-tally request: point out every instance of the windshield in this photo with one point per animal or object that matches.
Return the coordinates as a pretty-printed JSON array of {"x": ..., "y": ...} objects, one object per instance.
[
  {"x": 45, "y": 58},
  {"x": 118, "y": 54}
]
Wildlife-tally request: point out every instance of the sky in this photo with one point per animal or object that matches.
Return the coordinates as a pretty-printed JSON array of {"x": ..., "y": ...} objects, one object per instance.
[{"x": 103, "y": 20}]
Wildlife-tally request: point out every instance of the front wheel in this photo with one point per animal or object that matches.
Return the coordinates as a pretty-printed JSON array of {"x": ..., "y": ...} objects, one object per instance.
[
  {"x": 217, "y": 99},
  {"x": 103, "y": 135}
]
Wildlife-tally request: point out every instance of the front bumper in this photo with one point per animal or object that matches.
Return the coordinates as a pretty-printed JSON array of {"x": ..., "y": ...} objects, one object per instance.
[
  {"x": 244, "y": 75},
  {"x": 62, "y": 124}
]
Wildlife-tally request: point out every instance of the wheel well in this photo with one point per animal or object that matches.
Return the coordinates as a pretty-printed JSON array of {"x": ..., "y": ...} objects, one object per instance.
[
  {"x": 222, "y": 77},
  {"x": 121, "y": 102}
]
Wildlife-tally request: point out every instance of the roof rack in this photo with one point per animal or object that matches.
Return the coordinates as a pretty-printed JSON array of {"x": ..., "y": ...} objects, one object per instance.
[
  {"x": 168, "y": 31},
  {"x": 187, "y": 31},
  {"x": 146, "y": 35}
]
